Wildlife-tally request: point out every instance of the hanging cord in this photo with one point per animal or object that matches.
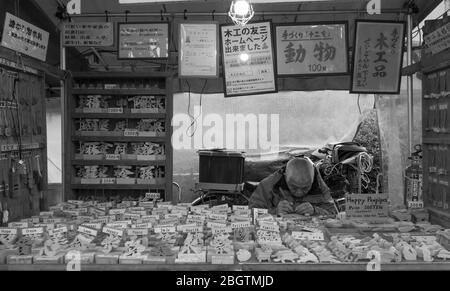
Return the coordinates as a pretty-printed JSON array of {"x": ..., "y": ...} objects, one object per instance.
[
  {"x": 194, "y": 123},
  {"x": 359, "y": 105}
]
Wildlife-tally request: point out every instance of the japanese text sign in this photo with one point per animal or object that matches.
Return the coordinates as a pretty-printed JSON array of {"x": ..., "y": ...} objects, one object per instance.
[
  {"x": 367, "y": 207},
  {"x": 438, "y": 40},
  {"x": 198, "y": 50},
  {"x": 248, "y": 60},
  {"x": 92, "y": 34},
  {"x": 312, "y": 49},
  {"x": 143, "y": 40},
  {"x": 377, "y": 57},
  {"x": 25, "y": 38}
]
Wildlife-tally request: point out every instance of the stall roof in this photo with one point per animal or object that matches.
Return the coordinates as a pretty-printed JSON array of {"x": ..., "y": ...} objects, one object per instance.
[{"x": 260, "y": 6}]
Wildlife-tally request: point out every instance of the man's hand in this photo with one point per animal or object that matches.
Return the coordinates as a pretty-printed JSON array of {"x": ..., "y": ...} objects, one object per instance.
[
  {"x": 284, "y": 207},
  {"x": 304, "y": 208}
]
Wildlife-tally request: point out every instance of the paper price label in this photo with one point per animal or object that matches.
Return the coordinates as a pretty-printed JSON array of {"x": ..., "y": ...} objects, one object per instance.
[
  {"x": 117, "y": 225},
  {"x": 131, "y": 133},
  {"x": 221, "y": 231},
  {"x": 173, "y": 215},
  {"x": 243, "y": 224},
  {"x": 131, "y": 216},
  {"x": 48, "y": 226},
  {"x": 146, "y": 204},
  {"x": 216, "y": 216},
  {"x": 76, "y": 202},
  {"x": 113, "y": 231},
  {"x": 415, "y": 204},
  {"x": 153, "y": 196},
  {"x": 165, "y": 229},
  {"x": 108, "y": 181},
  {"x": 117, "y": 211},
  {"x": 18, "y": 224},
  {"x": 212, "y": 224},
  {"x": 115, "y": 110},
  {"x": 34, "y": 230},
  {"x": 87, "y": 231},
  {"x": 243, "y": 212},
  {"x": 146, "y": 225},
  {"x": 58, "y": 230},
  {"x": 269, "y": 227},
  {"x": 240, "y": 207},
  {"x": 301, "y": 235},
  {"x": 169, "y": 221},
  {"x": 137, "y": 231},
  {"x": 46, "y": 213},
  {"x": 97, "y": 225},
  {"x": 8, "y": 231}
]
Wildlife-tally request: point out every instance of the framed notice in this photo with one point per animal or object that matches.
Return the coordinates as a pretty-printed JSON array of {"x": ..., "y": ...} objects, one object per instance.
[
  {"x": 367, "y": 207},
  {"x": 377, "y": 57},
  {"x": 248, "y": 59},
  {"x": 25, "y": 38},
  {"x": 312, "y": 49},
  {"x": 198, "y": 50},
  {"x": 88, "y": 34},
  {"x": 143, "y": 40}
]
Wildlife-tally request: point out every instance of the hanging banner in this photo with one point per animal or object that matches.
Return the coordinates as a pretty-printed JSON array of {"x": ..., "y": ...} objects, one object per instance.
[
  {"x": 143, "y": 41},
  {"x": 91, "y": 34},
  {"x": 248, "y": 59},
  {"x": 377, "y": 57},
  {"x": 25, "y": 38},
  {"x": 312, "y": 49},
  {"x": 198, "y": 47}
]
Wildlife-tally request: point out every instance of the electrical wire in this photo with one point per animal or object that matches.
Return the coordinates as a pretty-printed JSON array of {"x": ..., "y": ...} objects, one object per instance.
[{"x": 194, "y": 123}]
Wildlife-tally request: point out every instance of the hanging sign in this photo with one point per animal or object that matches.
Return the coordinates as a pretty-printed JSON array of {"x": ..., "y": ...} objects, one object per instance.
[
  {"x": 248, "y": 59},
  {"x": 91, "y": 34},
  {"x": 198, "y": 47},
  {"x": 367, "y": 207},
  {"x": 377, "y": 57},
  {"x": 312, "y": 49},
  {"x": 25, "y": 38},
  {"x": 143, "y": 41},
  {"x": 438, "y": 40}
]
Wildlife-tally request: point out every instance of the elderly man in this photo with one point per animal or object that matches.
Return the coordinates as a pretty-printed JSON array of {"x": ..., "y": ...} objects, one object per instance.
[{"x": 297, "y": 188}]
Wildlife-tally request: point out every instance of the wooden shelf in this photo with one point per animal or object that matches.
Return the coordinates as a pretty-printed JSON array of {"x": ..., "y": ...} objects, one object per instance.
[
  {"x": 150, "y": 91},
  {"x": 117, "y": 163},
  {"x": 437, "y": 140},
  {"x": 120, "y": 115},
  {"x": 120, "y": 75},
  {"x": 118, "y": 139},
  {"x": 117, "y": 187}
]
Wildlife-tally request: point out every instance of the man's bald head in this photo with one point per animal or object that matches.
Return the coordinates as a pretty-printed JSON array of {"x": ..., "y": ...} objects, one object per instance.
[{"x": 299, "y": 176}]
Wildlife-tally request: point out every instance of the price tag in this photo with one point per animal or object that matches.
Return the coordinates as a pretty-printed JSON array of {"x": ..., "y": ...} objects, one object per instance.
[
  {"x": 269, "y": 227},
  {"x": 138, "y": 231},
  {"x": 8, "y": 231},
  {"x": 240, "y": 207},
  {"x": 216, "y": 216},
  {"x": 18, "y": 224},
  {"x": 243, "y": 212},
  {"x": 258, "y": 212},
  {"x": 97, "y": 225},
  {"x": 112, "y": 86},
  {"x": 112, "y": 157},
  {"x": 221, "y": 231},
  {"x": 34, "y": 230},
  {"x": 169, "y": 221},
  {"x": 197, "y": 218},
  {"x": 131, "y": 133},
  {"x": 160, "y": 211},
  {"x": 48, "y": 226},
  {"x": 242, "y": 224},
  {"x": 58, "y": 230},
  {"x": 115, "y": 110},
  {"x": 170, "y": 229},
  {"x": 87, "y": 231},
  {"x": 76, "y": 202},
  {"x": 117, "y": 225},
  {"x": 146, "y": 225},
  {"x": 415, "y": 204},
  {"x": 108, "y": 181},
  {"x": 98, "y": 211},
  {"x": 117, "y": 211},
  {"x": 46, "y": 213},
  {"x": 113, "y": 231},
  {"x": 173, "y": 215},
  {"x": 212, "y": 224},
  {"x": 302, "y": 235},
  {"x": 146, "y": 204},
  {"x": 131, "y": 216}
]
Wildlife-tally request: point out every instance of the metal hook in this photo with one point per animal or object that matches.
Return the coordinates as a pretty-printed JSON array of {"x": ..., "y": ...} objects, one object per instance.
[
  {"x": 126, "y": 15},
  {"x": 214, "y": 11},
  {"x": 184, "y": 14},
  {"x": 106, "y": 15}
]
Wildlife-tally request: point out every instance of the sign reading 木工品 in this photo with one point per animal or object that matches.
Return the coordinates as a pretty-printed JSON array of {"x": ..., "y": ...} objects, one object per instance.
[
  {"x": 25, "y": 38},
  {"x": 92, "y": 34},
  {"x": 367, "y": 207},
  {"x": 377, "y": 57},
  {"x": 312, "y": 49},
  {"x": 248, "y": 59}
]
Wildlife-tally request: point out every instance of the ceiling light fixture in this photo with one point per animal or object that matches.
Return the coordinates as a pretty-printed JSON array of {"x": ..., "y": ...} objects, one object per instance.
[{"x": 241, "y": 12}]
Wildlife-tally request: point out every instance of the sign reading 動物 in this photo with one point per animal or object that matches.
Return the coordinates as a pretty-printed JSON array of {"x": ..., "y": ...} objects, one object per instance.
[
  {"x": 25, "y": 38},
  {"x": 248, "y": 59},
  {"x": 312, "y": 49},
  {"x": 367, "y": 207}
]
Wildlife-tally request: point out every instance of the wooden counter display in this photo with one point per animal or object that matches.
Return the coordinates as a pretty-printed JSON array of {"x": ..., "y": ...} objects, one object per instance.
[{"x": 118, "y": 134}]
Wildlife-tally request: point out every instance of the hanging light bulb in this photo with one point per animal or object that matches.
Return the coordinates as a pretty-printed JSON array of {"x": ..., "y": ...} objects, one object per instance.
[{"x": 241, "y": 12}]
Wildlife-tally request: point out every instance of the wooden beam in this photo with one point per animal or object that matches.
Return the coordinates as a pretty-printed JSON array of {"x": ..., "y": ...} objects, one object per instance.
[
  {"x": 33, "y": 63},
  {"x": 429, "y": 64}
]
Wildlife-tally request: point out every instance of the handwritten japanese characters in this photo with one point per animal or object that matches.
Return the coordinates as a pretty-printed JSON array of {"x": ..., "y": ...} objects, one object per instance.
[
  {"x": 143, "y": 40},
  {"x": 378, "y": 57},
  {"x": 248, "y": 59},
  {"x": 92, "y": 34},
  {"x": 312, "y": 49}
]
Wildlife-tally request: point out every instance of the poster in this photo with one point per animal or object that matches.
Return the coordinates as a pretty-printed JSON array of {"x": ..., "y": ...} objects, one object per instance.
[
  {"x": 198, "y": 50},
  {"x": 378, "y": 57},
  {"x": 143, "y": 41},
  {"x": 367, "y": 207},
  {"x": 248, "y": 59},
  {"x": 438, "y": 40},
  {"x": 25, "y": 38},
  {"x": 312, "y": 49},
  {"x": 92, "y": 34}
]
